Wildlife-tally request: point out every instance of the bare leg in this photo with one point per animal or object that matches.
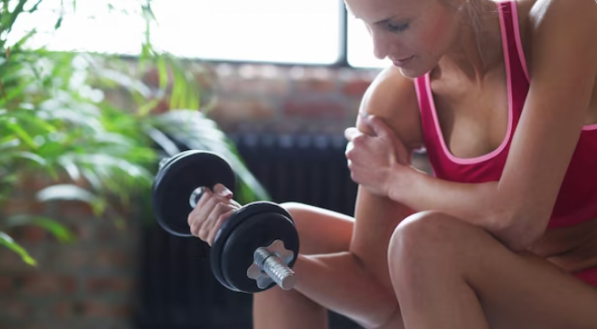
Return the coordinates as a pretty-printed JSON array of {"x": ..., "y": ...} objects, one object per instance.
[{"x": 451, "y": 274}]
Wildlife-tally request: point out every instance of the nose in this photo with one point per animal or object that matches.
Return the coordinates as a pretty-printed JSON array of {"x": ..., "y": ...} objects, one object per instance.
[{"x": 380, "y": 46}]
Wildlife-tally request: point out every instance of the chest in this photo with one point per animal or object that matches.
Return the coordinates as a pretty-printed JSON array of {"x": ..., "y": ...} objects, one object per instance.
[{"x": 473, "y": 120}]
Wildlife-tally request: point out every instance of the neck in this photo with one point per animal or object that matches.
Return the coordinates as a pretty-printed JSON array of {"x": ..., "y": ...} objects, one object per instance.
[{"x": 478, "y": 47}]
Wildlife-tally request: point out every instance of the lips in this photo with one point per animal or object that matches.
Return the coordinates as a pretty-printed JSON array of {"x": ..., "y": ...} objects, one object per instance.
[{"x": 402, "y": 62}]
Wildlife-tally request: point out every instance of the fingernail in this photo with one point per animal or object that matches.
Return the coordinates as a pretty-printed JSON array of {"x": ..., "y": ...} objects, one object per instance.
[
  {"x": 364, "y": 114},
  {"x": 222, "y": 190}
]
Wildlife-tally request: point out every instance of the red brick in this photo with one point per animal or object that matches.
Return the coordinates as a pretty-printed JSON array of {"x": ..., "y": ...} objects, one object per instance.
[
  {"x": 234, "y": 85},
  {"x": 21, "y": 205},
  {"x": 315, "y": 85},
  {"x": 92, "y": 309},
  {"x": 5, "y": 285},
  {"x": 35, "y": 234},
  {"x": 29, "y": 234},
  {"x": 243, "y": 109},
  {"x": 356, "y": 87},
  {"x": 107, "y": 285},
  {"x": 75, "y": 209},
  {"x": 33, "y": 182},
  {"x": 66, "y": 258},
  {"x": 205, "y": 79},
  {"x": 84, "y": 230},
  {"x": 315, "y": 109},
  {"x": 115, "y": 259},
  {"x": 39, "y": 284},
  {"x": 15, "y": 309},
  {"x": 11, "y": 262}
]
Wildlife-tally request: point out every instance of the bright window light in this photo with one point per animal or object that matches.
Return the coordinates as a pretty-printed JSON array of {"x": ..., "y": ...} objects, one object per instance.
[
  {"x": 92, "y": 27},
  {"x": 282, "y": 31},
  {"x": 360, "y": 46},
  {"x": 304, "y": 31}
]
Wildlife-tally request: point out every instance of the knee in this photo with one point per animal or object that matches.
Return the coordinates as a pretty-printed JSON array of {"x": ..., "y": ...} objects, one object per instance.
[
  {"x": 420, "y": 236},
  {"x": 293, "y": 208}
]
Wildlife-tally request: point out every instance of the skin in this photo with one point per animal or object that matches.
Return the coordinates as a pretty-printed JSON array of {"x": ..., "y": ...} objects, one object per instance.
[{"x": 483, "y": 258}]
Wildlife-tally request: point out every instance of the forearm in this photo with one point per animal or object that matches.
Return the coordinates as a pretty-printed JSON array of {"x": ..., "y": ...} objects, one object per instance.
[
  {"x": 480, "y": 204},
  {"x": 340, "y": 283}
]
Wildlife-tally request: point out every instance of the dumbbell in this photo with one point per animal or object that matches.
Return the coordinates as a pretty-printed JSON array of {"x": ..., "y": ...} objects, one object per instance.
[{"x": 253, "y": 250}]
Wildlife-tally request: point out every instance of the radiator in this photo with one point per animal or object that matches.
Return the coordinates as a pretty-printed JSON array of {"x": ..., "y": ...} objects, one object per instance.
[{"x": 176, "y": 287}]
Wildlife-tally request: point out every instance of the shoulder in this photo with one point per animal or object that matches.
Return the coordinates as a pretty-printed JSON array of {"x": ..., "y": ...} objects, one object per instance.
[
  {"x": 547, "y": 25},
  {"x": 536, "y": 14},
  {"x": 392, "y": 97}
]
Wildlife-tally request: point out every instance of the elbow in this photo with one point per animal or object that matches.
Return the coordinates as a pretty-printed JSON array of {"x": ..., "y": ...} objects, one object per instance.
[{"x": 519, "y": 232}]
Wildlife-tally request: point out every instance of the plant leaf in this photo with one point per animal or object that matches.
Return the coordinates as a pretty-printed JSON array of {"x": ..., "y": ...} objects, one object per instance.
[
  {"x": 69, "y": 192},
  {"x": 60, "y": 232},
  {"x": 8, "y": 242}
]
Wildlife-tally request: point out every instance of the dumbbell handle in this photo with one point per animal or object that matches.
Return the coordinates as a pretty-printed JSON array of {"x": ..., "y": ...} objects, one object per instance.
[
  {"x": 275, "y": 268},
  {"x": 196, "y": 196}
]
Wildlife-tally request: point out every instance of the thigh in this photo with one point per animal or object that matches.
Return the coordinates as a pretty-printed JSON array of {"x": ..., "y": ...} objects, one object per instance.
[
  {"x": 529, "y": 292},
  {"x": 519, "y": 290}
]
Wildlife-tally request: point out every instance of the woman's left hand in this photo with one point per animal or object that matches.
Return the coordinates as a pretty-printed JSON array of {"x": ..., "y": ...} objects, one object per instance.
[{"x": 373, "y": 159}]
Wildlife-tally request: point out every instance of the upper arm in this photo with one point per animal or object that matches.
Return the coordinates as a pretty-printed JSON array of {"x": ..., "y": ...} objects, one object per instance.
[
  {"x": 392, "y": 97},
  {"x": 563, "y": 69}
]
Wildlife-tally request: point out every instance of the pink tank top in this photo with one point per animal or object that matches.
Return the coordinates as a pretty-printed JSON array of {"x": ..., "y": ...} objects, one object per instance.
[{"x": 577, "y": 198}]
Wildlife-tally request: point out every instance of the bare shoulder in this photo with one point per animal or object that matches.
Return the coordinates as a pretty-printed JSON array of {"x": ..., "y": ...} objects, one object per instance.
[
  {"x": 392, "y": 97},
  {"x": 544, "y": 20}
]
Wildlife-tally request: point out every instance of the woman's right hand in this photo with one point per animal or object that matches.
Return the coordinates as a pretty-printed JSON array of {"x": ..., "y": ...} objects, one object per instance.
[{"x": 211, "y": 211}]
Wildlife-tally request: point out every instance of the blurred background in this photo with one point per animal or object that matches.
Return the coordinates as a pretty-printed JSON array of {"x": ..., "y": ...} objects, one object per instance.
[{"x": 93, "y": 93}]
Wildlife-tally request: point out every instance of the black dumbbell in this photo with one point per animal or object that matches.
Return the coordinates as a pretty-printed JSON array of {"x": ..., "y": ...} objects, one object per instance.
[{"x": 253, "y": 250}]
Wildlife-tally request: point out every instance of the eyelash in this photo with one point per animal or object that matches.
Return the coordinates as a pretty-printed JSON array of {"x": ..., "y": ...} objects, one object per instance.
[{"x": 397, "y": 28}]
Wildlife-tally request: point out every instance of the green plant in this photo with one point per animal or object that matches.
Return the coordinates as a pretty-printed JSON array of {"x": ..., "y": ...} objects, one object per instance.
[{"x": 57, "y": 125}]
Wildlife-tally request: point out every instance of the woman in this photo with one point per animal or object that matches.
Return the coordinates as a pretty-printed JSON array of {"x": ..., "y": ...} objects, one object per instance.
[{"x": 503, "y": 98}]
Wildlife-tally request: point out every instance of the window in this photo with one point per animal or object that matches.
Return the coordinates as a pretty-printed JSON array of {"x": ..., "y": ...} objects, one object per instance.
[
  {"x": 360, "y": 46},
  {"x": 92, "y": 27},
  {"x": 304, "y": 31},
  {"x": 275, "y": 31}
]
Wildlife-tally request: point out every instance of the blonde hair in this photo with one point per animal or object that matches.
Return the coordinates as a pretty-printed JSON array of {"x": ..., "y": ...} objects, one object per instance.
[{"x": 477, "y": 10}]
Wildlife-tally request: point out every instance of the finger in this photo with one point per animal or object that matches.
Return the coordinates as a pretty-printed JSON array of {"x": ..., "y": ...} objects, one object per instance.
[
  {"x": 207, "y": 194},
  {"x": 208, "y": 224},
  {"x": 235, "y": 204},
  {"x": 205, "y": 197},
  {"x": 222, "y": 191},
  {"x": 201, "y": 213},
  {"x": 380, "y": 128},
  {"x": 351, "y": 133},
  {"x": 218, "y": 223},
  {"x": 402, "y": 152}
]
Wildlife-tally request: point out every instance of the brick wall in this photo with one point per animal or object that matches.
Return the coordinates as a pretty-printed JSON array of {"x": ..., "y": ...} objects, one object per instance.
[
  {"x": 282, "y": 99},
  {"x": 87, "y": 283},
  {"x": 90, "y": 283}
]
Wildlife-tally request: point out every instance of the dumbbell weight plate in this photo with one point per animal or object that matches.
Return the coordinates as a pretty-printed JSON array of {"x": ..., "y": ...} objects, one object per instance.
[
  {"x": 258, "y": 231},
  {"x": 241, "y": 217},
  {"x": 177, "y": 180}
]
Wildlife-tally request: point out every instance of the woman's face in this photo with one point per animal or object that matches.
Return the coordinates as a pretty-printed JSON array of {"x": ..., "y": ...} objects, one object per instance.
[{"x": 413, "y": 34}]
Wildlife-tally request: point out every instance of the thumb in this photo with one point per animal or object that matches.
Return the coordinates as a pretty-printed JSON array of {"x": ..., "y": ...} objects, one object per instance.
[
  {"x": 379, "y": 127},
  {"x": 382, "y": 130}
]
